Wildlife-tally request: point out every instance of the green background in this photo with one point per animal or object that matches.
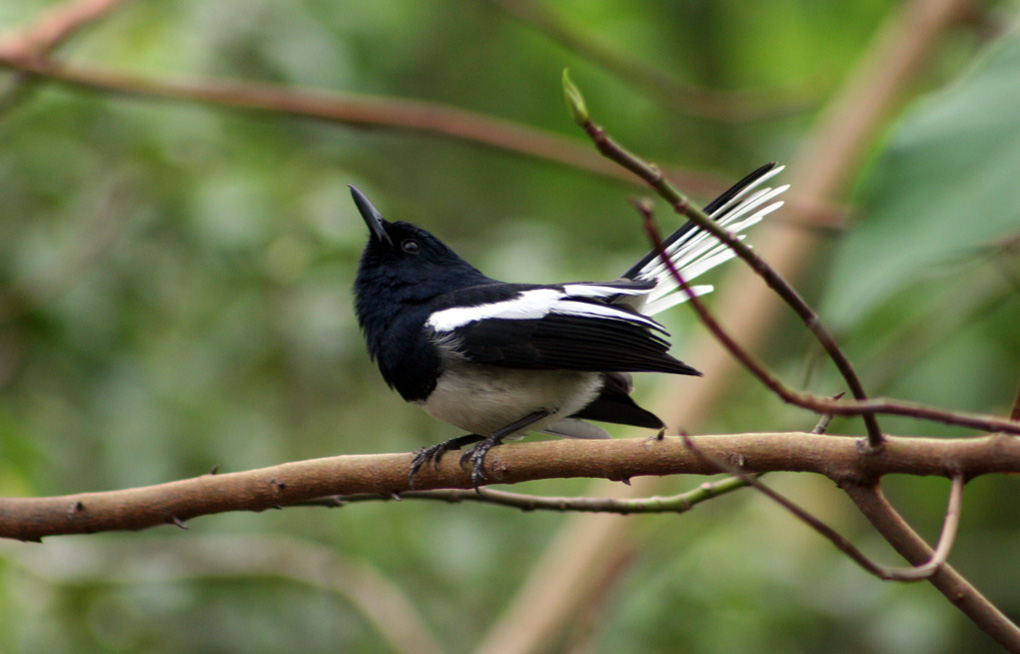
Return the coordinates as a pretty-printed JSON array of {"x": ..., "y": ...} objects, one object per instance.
[{"x": 176, "y": 296}]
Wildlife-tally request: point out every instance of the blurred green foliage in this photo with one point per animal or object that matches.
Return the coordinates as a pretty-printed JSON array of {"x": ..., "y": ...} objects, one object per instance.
[
  {"x": 943, "y": 191},
  {"x": 176, "y": 295}
]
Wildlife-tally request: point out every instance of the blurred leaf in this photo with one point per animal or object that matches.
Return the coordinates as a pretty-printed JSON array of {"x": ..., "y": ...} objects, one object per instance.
[{"x": 945, "y": 186}]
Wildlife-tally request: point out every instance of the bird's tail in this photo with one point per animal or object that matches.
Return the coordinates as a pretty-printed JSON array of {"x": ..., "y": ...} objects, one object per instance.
[{"x": 694, "y": 251}]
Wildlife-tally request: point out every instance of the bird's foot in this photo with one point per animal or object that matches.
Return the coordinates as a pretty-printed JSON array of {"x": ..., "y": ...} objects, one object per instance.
[
  {"x": 476, "y": 456},
  {"x": 434, "y": 453}
]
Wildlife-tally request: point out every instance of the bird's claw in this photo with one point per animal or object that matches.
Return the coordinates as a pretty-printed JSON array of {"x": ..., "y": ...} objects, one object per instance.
[
  {"x": 476, "y": 457},
  {"x": 432, "y": 453}
]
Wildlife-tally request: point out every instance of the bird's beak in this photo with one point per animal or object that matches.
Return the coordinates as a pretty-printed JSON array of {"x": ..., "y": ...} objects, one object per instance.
[{"x": 371, "y": 215}]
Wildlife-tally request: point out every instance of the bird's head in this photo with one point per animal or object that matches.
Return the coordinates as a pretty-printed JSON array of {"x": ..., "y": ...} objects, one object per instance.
[{"x": 404, "y": 262}]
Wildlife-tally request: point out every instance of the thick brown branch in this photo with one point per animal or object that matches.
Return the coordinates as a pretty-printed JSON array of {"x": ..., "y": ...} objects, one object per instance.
[
  {"x": 982, "y": 421},
  {"x": 839, "y": 458}
]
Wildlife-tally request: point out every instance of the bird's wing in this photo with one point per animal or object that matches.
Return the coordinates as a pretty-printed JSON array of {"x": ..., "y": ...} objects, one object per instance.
[{"x": 569, "y": 327}]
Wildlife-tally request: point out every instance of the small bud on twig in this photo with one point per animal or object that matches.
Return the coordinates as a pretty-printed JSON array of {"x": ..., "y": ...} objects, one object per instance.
[{"x": 575, "y": 101}]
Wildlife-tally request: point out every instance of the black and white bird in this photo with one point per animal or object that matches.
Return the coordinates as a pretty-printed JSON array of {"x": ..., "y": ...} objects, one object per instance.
[{"x": 500, "y": 359}]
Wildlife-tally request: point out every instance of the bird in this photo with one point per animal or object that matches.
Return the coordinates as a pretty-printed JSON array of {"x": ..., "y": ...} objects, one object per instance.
[{"x": 500, "y": 359}]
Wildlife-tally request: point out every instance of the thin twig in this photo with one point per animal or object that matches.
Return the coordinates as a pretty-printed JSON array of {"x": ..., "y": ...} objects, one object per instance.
[
  {"x": 950, "y": 526},
  {"x": 979, "y": 421},
  {"x": 889, "y": 574},
  {"x": 680, "y": 503},
  {"x": 823, "y": 423},
  {"x": 873, "y": 504},
  {"x": 683, "y": 206}
]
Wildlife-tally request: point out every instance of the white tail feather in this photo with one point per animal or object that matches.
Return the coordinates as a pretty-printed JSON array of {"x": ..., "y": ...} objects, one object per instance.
[{"x": 697, "y": 252}]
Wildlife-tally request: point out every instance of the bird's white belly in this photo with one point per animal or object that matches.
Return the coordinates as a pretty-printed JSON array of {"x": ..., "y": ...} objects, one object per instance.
[{"x": 481, "y": 399}]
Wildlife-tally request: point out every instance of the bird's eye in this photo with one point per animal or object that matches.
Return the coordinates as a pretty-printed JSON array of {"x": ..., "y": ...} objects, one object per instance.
[{"x": 410, "y": 246}]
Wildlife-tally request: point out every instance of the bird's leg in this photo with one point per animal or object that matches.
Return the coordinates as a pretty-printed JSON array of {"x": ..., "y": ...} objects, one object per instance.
[
  {"x": 477, "y": 453},
  {"x": 435, "y": 452}
]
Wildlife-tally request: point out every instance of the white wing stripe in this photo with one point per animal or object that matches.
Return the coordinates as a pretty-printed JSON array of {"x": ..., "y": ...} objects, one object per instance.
[
  {"x": 535, "y": 304},
  {"x": 529, "y": 305}
]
